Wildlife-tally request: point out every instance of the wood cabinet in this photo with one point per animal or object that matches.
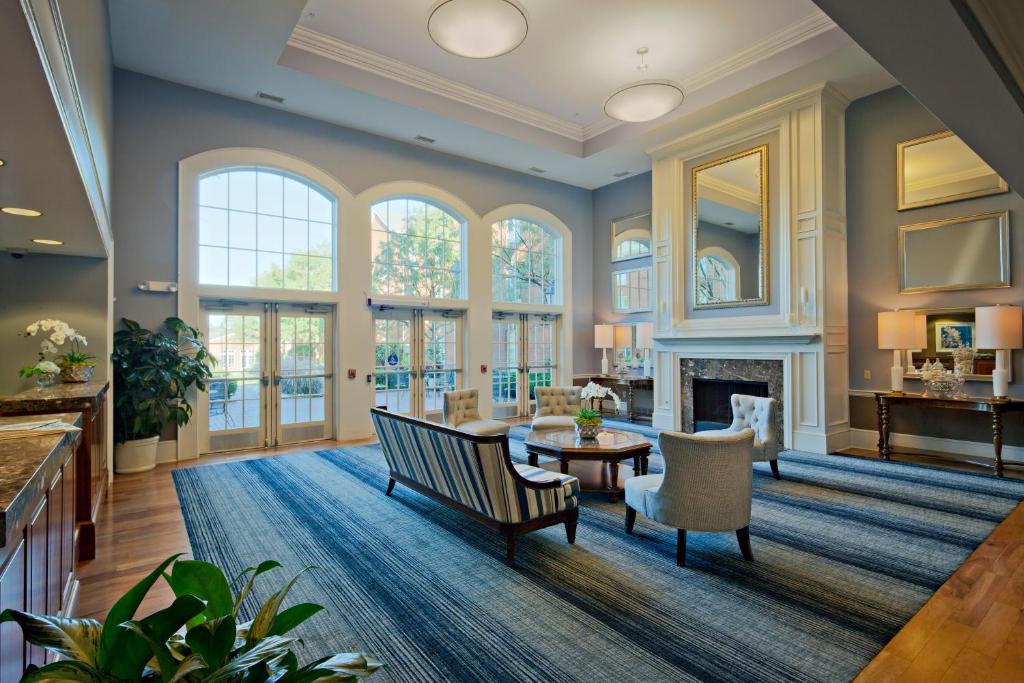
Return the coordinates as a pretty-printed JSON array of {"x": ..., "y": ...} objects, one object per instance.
[{"x": 37, "y": 567}]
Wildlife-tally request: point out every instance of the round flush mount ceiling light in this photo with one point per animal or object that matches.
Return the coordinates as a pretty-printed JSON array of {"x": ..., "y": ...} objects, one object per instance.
[
  {"x": 643, "y": 100},
  {"x": 478, "y": 29},
  {"x": 48, "y": 242},
  {"x": 15, "y": 211}
]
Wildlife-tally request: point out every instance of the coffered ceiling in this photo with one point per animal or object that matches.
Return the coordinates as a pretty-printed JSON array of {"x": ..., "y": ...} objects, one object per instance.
[{"x": 371, "y": 65}]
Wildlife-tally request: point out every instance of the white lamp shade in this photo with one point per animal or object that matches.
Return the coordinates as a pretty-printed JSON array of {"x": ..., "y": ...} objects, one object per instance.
[
  {"x": 623, "y": 336},
  {"x": 604, "y": 336},
  {"x": 998, "y": 327},
  {"x": 920, "y": 332},
  {"x": 897, "y": 330},
  {"x": 645, "y": 335},
  {"x": 644, "y": 101},
  {"x": 478, "y": 29}
]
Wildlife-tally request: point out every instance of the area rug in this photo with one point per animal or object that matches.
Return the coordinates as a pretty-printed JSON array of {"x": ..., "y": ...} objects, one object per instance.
[{"x": 846, "y": 551}]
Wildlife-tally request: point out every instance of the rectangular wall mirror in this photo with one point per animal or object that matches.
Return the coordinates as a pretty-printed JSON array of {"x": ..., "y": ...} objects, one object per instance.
[
  {"x": 631, "y": 236},
  {"x": 941, "y": 168},
  {"x": 730, "y": 230},
  {"x": 950, "y": 335},
  {"x": 972, "y": 252}
]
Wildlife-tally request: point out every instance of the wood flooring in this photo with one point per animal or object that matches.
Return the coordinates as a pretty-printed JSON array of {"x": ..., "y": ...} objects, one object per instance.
[{"x": 972, "y": 629}]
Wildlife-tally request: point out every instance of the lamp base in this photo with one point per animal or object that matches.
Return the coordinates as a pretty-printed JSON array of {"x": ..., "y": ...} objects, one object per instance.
[
  {"x": 604, "y": 366},
  {"x": 896, "y": 379},
  {"x": 1000, "y": 383}
]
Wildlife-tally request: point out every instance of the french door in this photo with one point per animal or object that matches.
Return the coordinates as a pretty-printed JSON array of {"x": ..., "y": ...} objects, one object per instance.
[
  {"x": 272, "y": 383},
  {"x": 417, "y": 357},
  {"x": 523, "y": 358}
]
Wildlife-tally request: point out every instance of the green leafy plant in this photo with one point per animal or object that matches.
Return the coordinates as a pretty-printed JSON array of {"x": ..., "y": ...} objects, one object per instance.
[
  {"x": 588, "y": 415},
  {"x": 152, "y": 373},
  {"x": 197, "y": 638}
]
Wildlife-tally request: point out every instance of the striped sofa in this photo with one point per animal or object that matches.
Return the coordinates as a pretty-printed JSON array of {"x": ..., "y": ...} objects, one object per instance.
[{"x": 475, "y": 475}]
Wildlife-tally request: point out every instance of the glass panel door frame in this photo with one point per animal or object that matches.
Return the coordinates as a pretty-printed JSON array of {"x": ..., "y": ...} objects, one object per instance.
[
  {"x": 303, "y": 373},
  {"x": 524, "y": 357}
]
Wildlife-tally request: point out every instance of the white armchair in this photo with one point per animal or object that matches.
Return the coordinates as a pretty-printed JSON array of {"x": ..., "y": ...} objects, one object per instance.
[
  {"x": 707, "y": 486},
  {"x": 460, "y": 410},
  {"x": 556, "y": 407},
  {"x": 757, "y": 413}
]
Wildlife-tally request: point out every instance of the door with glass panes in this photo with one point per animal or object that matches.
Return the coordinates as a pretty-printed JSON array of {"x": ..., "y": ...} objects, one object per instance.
[
  {"x": 417, "y": 358},
  {"x": 523, "y": 358},
  {"x": 272, "y": 383}
]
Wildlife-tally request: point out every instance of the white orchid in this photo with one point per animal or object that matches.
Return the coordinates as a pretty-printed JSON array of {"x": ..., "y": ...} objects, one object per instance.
[
  {"x": 59, "y": 334},
  {"x": 48, "y": 346},
  {"x": 593, "y": 390},
  {"x": 47, "y": 366}
]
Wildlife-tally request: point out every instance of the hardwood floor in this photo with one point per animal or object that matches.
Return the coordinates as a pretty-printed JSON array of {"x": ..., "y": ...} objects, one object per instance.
[{"x": 972, "y": 628}]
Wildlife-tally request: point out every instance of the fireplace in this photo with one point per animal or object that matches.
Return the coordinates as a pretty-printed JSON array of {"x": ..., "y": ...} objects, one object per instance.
[{"x": 712, "y": 405}]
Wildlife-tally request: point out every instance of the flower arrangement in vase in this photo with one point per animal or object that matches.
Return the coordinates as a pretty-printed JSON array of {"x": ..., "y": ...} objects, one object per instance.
[
  {"x": 74, "y": 366},
  {"x": 595, "y": 393}
]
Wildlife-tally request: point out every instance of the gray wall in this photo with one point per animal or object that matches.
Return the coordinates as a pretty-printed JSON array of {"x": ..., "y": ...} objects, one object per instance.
[
  {"x": 874, "y": 125},
  {"x": 69, "y": 288},
  {"x": 158, "y": 123}
]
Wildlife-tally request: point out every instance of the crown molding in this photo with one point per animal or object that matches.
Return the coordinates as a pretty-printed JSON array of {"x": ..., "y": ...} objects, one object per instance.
[
  {"x": 731, "y": 189},
  {"x": 329, "y": 47}
]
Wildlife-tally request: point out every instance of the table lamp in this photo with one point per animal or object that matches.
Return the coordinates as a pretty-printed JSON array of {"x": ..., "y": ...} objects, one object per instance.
[
  {"x": 898, "y": 331},
  {"x": 645, "y": 341},
  {"x": 604, "y": 336},
  {"x": 999, "y": 328}
]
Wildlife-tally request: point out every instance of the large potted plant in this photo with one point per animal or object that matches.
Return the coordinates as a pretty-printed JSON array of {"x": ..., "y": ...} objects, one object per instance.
[{"x": 153, "y": 371}]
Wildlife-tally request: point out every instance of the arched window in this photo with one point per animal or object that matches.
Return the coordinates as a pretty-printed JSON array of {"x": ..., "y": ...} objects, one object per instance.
[
  {"x": 417, "y": 249},
  {"x": 525, "y": 262},
  {"x": 718, "y": 276},
  {"x": 260, "y": 227}
]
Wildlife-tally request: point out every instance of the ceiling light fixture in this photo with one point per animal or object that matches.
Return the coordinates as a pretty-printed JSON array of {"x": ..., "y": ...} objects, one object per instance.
[
  {"x": 2, "y": 162},
  {"x": 643, "y": 100},
  {"x": 477, "y": 29},
  {"x": 48, "y": 243},
  {"x": 15, "y": 211}
]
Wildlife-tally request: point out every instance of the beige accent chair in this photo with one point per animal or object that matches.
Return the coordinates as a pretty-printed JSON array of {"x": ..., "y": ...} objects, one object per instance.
[
  {"x": 556, "y": 407},
  {"x": 461, "y": 411},
  {"x": 707, "y": 486},
  {"x": 757, "y": 413}
]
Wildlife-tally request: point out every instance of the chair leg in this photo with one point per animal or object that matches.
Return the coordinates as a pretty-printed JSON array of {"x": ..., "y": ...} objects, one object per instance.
[
  {"x": 681, "y": 547},
  {"x": 510, "y": 548},
  {"x": 775, "y": 468},
  {"x": 570, "y": 525},
  {"x": 743, "y": 536},
  {"x": 391, "y": 487},
  {"x": 630, "y": 519}
]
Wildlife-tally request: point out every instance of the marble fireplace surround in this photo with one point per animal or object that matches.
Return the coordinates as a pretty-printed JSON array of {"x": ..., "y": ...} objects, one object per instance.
[{"x": 769, "y": 371}]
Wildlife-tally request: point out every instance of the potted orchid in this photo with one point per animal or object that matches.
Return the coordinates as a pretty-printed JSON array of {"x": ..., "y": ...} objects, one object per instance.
[
  {"x": 74, "y": 366},
  {"x": 595, "y": 394},
  {"x": 588, "y": 420}
]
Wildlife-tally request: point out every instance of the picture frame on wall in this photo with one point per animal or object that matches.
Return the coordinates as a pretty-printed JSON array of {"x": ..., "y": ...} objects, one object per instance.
[{"x": 949, "y": 336}]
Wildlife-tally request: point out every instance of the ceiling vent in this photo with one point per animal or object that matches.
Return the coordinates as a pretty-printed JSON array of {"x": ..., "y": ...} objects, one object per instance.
[
  {"x": 424, "y": 139},
  {"x": 537, "y": 170},
  {"x": 267, "y": 96},
  {"x": 621, "y": 174}
]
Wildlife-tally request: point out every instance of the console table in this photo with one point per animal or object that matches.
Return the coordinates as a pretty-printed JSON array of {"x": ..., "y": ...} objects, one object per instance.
[
  {"x": 997, "y": 407},
  {"x": 626, "y": 387}
]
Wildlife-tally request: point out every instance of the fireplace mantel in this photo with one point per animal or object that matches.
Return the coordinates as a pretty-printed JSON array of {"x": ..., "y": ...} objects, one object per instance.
[{"x": 752, "y": 339}]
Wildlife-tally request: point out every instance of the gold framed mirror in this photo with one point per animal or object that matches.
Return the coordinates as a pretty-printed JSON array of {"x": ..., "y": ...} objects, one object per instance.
[
  {"x": 729, "y": 198},
  {"x": 969, "y": 252},
  {"x": 941, "y": 168}
]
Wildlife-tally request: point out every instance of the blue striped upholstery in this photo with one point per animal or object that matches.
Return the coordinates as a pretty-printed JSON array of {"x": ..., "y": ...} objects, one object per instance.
[{"x": 471, "y": 473}]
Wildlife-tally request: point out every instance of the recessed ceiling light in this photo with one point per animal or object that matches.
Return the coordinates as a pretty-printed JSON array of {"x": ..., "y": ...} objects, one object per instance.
[
  {"x": 644, "y": 100},
  {"x": 15, "y": 211},
  {"x": 478, "y": 29},
  {"x": 2, "y": 162},
  {"x": 49, "y": 243}
]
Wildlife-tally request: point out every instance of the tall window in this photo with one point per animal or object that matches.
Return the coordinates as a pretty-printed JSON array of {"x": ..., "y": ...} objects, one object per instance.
[
  {"x": 259, "y": 227},
  {"x": 631, "y": 290},
  {"x": 417, "y": 250},
  {"x": 524, "y": 262}
]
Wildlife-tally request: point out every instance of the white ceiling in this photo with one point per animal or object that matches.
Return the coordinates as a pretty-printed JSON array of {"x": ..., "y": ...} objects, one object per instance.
[{"x": 370, "y": 65}]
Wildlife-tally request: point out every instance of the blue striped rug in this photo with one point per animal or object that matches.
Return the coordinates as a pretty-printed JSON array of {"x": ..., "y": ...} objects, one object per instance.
[{"x": 846, "y": 551}]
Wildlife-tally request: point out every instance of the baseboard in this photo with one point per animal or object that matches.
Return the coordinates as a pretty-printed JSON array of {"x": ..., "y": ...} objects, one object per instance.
[
  {"x": 166, "y": 451},
  {"x": 868, "y": 438}
]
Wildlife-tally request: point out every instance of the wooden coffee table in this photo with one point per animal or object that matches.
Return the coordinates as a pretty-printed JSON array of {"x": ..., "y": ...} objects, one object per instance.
[{"x": 602, "y": 455}]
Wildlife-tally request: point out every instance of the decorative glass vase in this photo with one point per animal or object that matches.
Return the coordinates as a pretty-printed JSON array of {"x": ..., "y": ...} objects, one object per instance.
[
  {"x": 43, "y": 381},
  {"x": 588, "y": 429}
]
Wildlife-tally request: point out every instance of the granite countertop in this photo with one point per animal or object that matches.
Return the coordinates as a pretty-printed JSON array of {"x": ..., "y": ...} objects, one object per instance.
[
  {"x": 26, "y": 469},
  {"x": 67, "y": 396}
]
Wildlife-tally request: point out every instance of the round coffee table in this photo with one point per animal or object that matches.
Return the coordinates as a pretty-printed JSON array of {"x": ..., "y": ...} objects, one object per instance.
[{"x": 603, "y": 454}]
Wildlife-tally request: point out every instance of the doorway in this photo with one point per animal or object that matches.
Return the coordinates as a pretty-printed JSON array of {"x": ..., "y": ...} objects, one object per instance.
[{"x": 523, "y": 358}]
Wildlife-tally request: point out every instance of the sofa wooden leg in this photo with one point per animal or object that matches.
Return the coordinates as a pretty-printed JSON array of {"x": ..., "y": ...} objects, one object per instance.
[
  {"x": 570, "y": 525},
  {"x": 775, "y": 468},
  {"x": 680, "y": 547},
  {"x": 630, "y": 519},
  {"x": 510, "y": 548},
  {"x": 391, "y": 487},
  {"x": 743, "y": 536}
]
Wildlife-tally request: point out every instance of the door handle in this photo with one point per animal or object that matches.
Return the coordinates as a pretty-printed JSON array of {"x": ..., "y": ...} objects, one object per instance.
[
  {"x": 277, "y": 380},
  {"x": 265, "y": 381}
]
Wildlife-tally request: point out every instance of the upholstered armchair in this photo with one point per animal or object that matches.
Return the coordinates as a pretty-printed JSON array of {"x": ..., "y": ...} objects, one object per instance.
[
  {"x": 757, "y": 413},
  {"x": 461, "y": 411},
  {"x": 556, "y": 407},
  {"x": 707, "y": 486}
]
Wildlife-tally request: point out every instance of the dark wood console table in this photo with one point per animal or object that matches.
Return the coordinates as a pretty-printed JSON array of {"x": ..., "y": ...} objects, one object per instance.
[{"x": 997, "y": 407}]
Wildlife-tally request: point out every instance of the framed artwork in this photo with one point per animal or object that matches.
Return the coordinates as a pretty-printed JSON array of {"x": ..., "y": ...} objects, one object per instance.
[{"x": 949, "y": 336}]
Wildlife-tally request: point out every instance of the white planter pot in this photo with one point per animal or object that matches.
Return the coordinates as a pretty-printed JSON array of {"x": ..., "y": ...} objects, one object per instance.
[{"x": 135, "y": 456}]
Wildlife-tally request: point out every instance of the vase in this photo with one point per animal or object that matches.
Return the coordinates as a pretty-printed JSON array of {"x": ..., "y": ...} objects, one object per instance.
[
  {"x": 43, "y": 381},
  {"x": 76, "y": 373},
  {"x": 588, "y": 429},
  {"x": 138, "y": 455}
]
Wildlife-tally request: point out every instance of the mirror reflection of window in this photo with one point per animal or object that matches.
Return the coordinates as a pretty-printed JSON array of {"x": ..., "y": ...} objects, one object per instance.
[{"x": 717, "y": 278}]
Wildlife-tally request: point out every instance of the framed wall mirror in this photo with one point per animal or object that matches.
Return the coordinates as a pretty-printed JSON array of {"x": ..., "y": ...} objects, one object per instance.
[
  {"x": 972, "y": 252},
  {"x": 941, "y": 168},
  {"x": 730, "y": 230},
  {"x": 631, "y": 237},
  {"x": 950, "y": 335}
]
